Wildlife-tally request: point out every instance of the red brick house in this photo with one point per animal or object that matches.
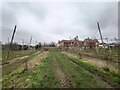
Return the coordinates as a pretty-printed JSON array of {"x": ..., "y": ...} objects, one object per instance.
[
  {"x": 86, "y": 44},
  {"x": 90, "y": 43},
  {"x": 70, "y": 43}
]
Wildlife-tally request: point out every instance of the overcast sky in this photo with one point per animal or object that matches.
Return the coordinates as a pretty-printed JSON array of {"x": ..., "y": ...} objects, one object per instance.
[{"x": 53, "y": 21}]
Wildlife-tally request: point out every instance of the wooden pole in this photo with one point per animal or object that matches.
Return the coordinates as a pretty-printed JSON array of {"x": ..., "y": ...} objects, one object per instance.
[
  {"x": 108, "y": 45},
  {"x": 26, "y": 61},
  {"x": 101, "y": 37},
  {"x": 11, "y": 43},
  {"x": 100, "y": 32},
  {"x": 116, "y": 40},
  {"x": 30, "y": 42},
  {"x": 22, "y": 44}
]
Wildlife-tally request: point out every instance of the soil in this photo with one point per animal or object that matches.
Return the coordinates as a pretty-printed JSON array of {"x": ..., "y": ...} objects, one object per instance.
[
  {"x": 63, "y": 77},
  {"x": 33, "y": 62},
  {"x": 37, "y": 60}
]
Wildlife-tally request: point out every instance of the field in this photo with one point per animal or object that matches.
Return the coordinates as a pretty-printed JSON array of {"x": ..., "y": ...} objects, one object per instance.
[
  {"x": 15, "y": 54},
  {"x": 55, "y": 69}
]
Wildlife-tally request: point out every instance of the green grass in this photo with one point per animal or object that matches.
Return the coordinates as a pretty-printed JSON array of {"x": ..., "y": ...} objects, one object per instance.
[
  {"x": 15, "y": 54},
  {"x": 97, "y": 69},
  {"x": 18, "y": 78},
  {"x": 10, "y": 71},
  {"x": 43, "y": 75},
  {"x": 82, "y": 78},
  {"x": 10, "y": 67},
  {"x": 113, "y": 55}
]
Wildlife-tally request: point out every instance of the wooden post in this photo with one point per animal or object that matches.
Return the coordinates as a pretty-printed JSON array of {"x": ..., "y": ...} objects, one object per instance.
[
  {"x": 115, "y": 39},
  {"x": 100, "y": 32},
  {"x": 26, "y": 61},
  {"x": 101, "y": 37},
  {"x": 108, "y": 45},
  {"x": 22, "y": 43},
  {"x": 11, "y": 43},
  {"x": 26, "y": 64},
  {"x": 30, "y": 42}
]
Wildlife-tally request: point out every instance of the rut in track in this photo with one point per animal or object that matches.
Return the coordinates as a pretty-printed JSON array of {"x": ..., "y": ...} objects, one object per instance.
[
  {"x": 63, "y": 77},
  {"x": 98, "y": 74},
  {"x": 102, "y": 77}
]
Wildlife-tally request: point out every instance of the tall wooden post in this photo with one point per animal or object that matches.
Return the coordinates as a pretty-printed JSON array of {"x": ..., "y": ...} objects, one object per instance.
[
  {"x": 101, "y": 37},
  {"x": 26, "y": 61},
  {"x": 116, "y": 40},
  {"x": 22, "y": 44},
  {"x": 11, "y": 43},
  {"x": 108, "y": 45},
  {"x": 100, "y": 32},
  {"x": 30, "y": 42}
]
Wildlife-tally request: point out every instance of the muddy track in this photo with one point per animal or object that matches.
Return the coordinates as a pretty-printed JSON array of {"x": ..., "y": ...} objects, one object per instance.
[
  {"x": 63, "y": 77},
  {"x": 101, "y": 76}
]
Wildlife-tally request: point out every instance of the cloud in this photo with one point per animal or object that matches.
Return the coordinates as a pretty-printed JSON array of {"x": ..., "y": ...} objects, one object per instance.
[{"x": 53, "y": 21}]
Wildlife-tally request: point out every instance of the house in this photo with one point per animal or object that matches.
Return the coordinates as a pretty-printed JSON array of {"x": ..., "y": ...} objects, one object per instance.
[
  {"x": 70, "y": 43},
  {"x": 90, "y": 43},
  {"x": 86, "y": 44},
  {"x": 103, "y": 45}
]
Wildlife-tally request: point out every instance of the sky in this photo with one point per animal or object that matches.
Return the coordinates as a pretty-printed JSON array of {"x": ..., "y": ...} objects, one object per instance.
[{"x": 53, "y": 21}]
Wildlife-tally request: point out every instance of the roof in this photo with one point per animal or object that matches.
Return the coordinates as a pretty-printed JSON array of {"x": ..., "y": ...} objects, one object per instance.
[
  {"x": 70, "y": 41},
  {"x": 91, "y": 40}
]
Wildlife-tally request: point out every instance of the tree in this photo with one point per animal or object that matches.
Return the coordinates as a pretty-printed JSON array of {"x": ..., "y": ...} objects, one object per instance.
[
  {"x": 25, "y": 47},
  {"x": 38, "y": 46},
  {"x": 52, "y": 44}
]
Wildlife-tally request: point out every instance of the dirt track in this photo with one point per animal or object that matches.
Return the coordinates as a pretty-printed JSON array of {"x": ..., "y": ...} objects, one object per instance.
[{"x": 64, "y": 79}]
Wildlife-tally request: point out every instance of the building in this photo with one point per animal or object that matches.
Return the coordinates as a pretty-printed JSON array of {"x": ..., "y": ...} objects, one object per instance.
[
  {"x": 86, "y": 44},
  {"x": 70, "y": 43},
  {"x": 90, "y": 43},
  {"x": 103, "y": 45}
]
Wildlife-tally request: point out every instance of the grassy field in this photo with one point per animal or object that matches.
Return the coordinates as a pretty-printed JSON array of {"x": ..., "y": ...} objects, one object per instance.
[
  {"x": 108, "y": 54},
  {"x": 107, "y": 59},
  {"x": 58, "y": 70},
  {"x": 95, "y": 69},
  {"x": 15, "y": 54}
]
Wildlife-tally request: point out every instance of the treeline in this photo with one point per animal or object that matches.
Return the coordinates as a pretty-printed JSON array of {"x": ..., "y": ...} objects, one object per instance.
[{"x": 16, "y": 46}]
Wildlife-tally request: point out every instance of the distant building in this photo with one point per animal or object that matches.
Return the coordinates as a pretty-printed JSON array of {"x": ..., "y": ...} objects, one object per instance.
[
  {"x": 103, "y": 45},
  {"x": 70, "y": 43},
  {"x": 86, "y": 44},
  {"x": 90, "y": 43}
]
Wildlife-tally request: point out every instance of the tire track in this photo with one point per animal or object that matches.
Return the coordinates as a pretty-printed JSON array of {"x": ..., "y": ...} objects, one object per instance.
[
  {"x": 63, "y": 77},
  {"x": 101, "y": 76}
]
